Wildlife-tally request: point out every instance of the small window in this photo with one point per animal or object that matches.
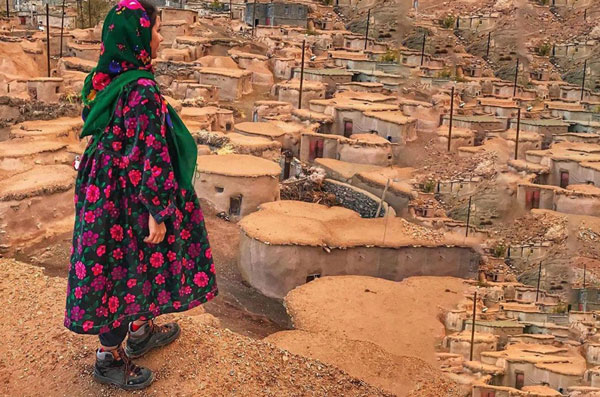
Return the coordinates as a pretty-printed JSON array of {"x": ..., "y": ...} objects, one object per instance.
[
  {"x": 219, "y": 189},
  {"x": 312, "y": 277}
]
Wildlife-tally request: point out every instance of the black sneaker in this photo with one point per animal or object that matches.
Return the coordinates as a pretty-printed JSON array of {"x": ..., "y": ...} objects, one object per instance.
[
  {"x": 150, "y": 336},
  {"x": 121, "y": 372}
]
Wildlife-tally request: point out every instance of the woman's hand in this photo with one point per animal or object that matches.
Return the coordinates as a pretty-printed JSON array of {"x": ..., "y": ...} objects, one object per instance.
[{"x": 157, "y": 231}]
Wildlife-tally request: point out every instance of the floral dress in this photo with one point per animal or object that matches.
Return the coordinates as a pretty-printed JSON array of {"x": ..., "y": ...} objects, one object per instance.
[{"x": 114, "y": 276}]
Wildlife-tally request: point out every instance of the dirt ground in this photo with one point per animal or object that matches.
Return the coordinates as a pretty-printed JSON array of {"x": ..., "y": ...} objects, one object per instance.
[
  {"x": 402, "y": 318},
  {"x": 401, "y": 375},
  {"x": 239, "y": 307},
  {"x": 38, "y": 356}
]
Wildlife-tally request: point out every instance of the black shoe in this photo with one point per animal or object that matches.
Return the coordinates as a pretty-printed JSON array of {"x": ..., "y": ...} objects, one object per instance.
[
  {"x": 121, "y": 372},
  {"x": 150, "y": 336}
]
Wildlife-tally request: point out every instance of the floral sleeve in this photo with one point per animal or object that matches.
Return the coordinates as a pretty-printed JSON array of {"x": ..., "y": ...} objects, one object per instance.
[{"x": 156, "y": 180}]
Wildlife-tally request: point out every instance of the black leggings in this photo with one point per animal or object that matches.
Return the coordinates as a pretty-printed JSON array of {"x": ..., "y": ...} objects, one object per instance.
[{"x": 115, "y": 336}]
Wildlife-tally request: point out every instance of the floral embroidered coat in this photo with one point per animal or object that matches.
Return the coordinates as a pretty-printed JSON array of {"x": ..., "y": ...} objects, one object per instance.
[{"x": 114, "y": 276}]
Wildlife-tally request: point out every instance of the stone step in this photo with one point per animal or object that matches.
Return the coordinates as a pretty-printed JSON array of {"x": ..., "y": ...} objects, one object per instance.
[{"x": 37, "y": 181}]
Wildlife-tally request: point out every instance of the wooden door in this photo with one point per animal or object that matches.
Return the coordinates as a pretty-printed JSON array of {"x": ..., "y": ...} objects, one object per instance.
[
  {"x": 319, "y": 148},
  {"x": 312, "y": 150},
  {"x": 536, "y": 199},
  {"x": 348, "y": 128},
  {"x": 564, "y": 179},
  {"x": 519, "y": 380}
]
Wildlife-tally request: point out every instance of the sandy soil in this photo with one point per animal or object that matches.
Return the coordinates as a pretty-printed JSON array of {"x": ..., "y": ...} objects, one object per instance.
[
  {"x": 238, "y": 307},
  {"x": 401, "y": 375},
  {"x": 400, "y": 317},
  {"x": 40, "y": 356}
]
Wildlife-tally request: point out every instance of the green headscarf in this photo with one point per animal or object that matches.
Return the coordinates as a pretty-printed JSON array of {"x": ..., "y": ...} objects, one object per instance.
[{"x": 125, "y": 56}]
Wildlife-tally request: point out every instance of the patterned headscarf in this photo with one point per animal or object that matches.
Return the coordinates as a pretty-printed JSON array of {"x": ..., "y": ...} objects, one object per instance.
[
  {"x": 126, "y": 37},
  {"x": 125, "y": 57}
]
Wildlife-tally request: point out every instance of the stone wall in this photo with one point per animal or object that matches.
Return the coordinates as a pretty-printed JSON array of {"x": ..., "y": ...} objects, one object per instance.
[
  {"x": 356, "y": 199},
  {"x": 16, "y": 110}
]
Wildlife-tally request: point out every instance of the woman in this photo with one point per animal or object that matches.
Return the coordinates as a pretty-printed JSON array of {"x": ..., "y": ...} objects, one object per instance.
[{"x": 140, "y": 247}]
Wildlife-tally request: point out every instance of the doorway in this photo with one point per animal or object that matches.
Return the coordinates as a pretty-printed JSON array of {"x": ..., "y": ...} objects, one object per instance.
[
  {"x": 564, "y": 179},
  {"x": 316, "y": 149},
  {"x": 519, "y": 380},
  {"x": 235, "y": 205},
  {"x": 532, "y": 199},
  {"x": 348, "y": 127}
]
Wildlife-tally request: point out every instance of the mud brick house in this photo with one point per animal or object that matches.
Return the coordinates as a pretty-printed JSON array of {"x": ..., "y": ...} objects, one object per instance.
[
  {"x": 322, "y": 241},
  {"x": 544, "y": 127},
  {"x": 237, "y": 184},
  {"x": 232, "y": 83},
  {"x": 276, "y": 13}
]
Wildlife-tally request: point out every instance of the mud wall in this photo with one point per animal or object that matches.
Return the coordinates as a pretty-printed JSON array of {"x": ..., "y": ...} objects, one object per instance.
[
  {"x": 277, "y": 269},
  {"x": 218, "y": 189}
]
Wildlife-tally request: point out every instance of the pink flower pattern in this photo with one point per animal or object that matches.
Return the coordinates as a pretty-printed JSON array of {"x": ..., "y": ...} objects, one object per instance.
[{"x": 114, "y": 275}]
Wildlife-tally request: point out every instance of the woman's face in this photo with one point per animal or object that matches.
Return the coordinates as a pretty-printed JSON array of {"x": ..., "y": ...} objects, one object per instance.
[{"x": 156, "y": 38}]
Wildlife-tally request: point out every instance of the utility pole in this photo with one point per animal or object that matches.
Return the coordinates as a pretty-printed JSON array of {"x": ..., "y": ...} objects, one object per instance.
[
  {"x": 423, "y": 47},
  {"x": 7, "y": 9},
  {"x": 537, "y": 291},
  {"x": 230, "y": 10},
  {"x": 301, "y": 75},
  {"x": 518, "y": 131},
  {"x": 253, "y": 17},
  {"x": 583, "y": 80},
  {"x": 585, "y": 15},
  {"x": 62, "y": 27},
  {"x": 468, "y": 216},
  {"x": 584, "y": 292},
  {"x": 48, "y": 36},
  {"x": 451, "y": 118},
  {"x": 487, "y": 52},
  {"x": 367, "y": 32},
  {"x": 516, "y": 77},
  {"x": 473, "y": 325}
]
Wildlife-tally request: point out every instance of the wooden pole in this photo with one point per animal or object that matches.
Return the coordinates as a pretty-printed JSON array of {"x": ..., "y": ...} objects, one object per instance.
[
  {"x": 301, "y": 75},
  {"x": 230, "y": 10},
  {"x": 473, "y": 325},
  {"x": 518, "y": 131},
  {"x": 387, "y": 185},
  {"x": 468, "y": 216},
  {"x": 451, "y": 118},
  {"x": 584, "y": 271},
  {"x": 80, "y": 12},
  {"x": 48, "y": 36},
  {"x": 7, "y": 9},
  {"x": 253, "y": 17},
  {"x": 423, "y": 47},
  {"x": 62, "y": 27},
  {"x": 585, "y": 15},
  {"x": 583, "y": 80},
  {"x": 516, "y": 77},
  {"x": 90, "y": 13},
  {"x": 537, "y": 291},
  {"x": 367, "y": 32},
  {"x": 487, "y": 52}
]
